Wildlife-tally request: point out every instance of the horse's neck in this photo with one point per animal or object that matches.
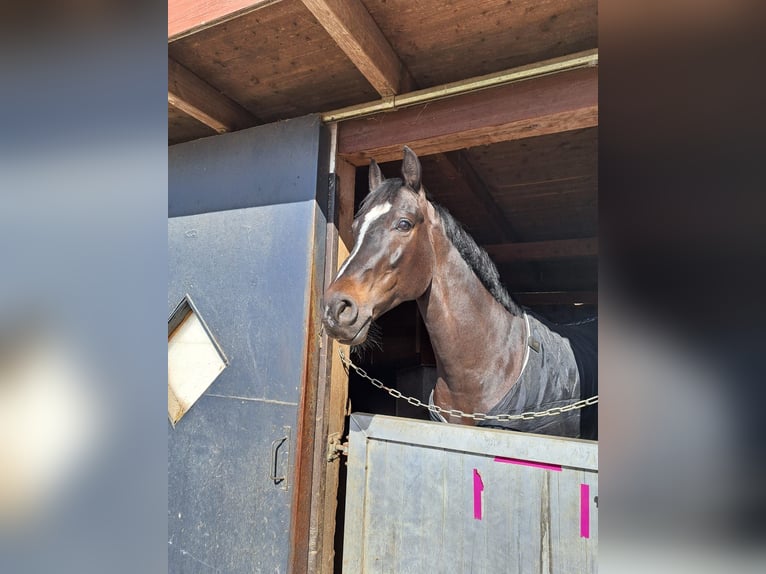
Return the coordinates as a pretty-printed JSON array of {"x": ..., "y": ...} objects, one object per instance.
[{"x": 477, "y": 343}]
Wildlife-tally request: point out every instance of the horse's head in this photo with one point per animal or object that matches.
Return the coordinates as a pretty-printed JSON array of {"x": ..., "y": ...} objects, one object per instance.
[{"x": 392, "y": 259}]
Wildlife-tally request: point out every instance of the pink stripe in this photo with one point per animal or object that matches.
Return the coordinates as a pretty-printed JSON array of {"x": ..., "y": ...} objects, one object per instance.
[
  {"x": 478, "y": 492},
  {"x": 528, "y": 463},
  {"x": 584, "y": 511}
]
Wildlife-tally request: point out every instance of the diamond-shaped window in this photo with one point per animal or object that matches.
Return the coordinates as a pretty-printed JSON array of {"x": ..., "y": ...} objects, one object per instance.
[{"x": 194, "y": 359}]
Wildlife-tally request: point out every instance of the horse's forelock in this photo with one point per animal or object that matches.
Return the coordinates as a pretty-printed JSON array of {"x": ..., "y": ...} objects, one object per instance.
[{"x": 386, "y": 192}]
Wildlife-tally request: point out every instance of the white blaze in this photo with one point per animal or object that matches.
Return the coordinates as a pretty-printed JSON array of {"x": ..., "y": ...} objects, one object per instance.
[{"x": 375, "y": 213}]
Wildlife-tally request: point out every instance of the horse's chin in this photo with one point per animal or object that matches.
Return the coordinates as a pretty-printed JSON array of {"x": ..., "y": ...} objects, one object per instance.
[{"x": 357, "y": 339}]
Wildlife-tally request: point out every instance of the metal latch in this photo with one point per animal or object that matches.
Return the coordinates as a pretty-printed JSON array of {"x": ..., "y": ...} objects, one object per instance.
[
  {"x": 280, "y": 453},
  {"x": 336, "y": 448}
]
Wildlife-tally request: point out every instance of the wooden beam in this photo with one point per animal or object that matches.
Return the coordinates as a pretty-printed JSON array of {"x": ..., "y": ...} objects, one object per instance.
[
  {"x": 556, "y": 298},
  {"x": 543, "y": 250},
  {"x": 356, "y": 33},
  {"x": 550, "y": 104},
  {"x": 195, "y": 97},
  {"x": 185, "y": 17},
  {"x": 459, "y": 165}
]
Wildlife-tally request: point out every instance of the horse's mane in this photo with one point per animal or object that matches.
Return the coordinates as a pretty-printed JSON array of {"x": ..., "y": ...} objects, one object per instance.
[{"x": 478, "y": 259}]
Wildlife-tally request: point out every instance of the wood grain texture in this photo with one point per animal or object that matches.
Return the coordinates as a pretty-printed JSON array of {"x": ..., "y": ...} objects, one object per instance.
[
  {"x": 277, "y": 63},
  {"x": 182, "y": 127},
  {"x": 357, "y": 34},
  {"x": 540, "y": 106},
  {"x": 195, "y": 97},
  {"x": 442, "y": 42},
  {"x": 188, "y": 16},
  {"x": 335, "y": 407}
]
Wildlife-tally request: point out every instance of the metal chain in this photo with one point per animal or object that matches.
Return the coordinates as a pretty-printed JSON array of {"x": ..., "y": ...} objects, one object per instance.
[{"x": 458, "y": 413}]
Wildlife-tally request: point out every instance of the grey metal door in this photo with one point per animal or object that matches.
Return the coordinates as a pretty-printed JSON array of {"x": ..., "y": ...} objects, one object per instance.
[
  {"x": 430, "y": 497},
  {"x": 241, "y": 240}
]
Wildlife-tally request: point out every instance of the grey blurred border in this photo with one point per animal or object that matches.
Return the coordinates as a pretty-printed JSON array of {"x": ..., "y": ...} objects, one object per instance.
[
  {"x": 83, "y": 243},
  {"x": 682, "y": 243}
]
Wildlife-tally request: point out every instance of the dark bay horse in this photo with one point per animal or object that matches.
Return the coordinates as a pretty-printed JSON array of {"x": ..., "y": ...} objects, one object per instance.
[{"x": 491, "y": 355}]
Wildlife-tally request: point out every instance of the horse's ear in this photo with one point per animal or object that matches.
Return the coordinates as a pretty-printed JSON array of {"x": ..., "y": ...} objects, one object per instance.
[
  {"x": 411, "y": 169},
  {"x": 376, "y": 177}
]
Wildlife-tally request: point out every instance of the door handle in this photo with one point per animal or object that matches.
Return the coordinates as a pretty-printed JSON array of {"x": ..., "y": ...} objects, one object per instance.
[{"x": 276, "y": 448}]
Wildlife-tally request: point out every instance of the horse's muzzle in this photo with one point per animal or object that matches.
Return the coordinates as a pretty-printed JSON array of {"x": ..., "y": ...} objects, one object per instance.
[{"x": 341, "y": 320}]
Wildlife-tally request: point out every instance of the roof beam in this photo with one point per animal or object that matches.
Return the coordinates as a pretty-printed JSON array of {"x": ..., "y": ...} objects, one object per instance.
[
  {"x": 543, "y": 250},
  {"x": 554, "y": 103},
  {"x": 195, "y": 97},
  {"x": 533, "y": 298},
  {"x": 185, "y": 17},
  {"x": 457, "y": 165},
  {"x": 349, "y": 23}
]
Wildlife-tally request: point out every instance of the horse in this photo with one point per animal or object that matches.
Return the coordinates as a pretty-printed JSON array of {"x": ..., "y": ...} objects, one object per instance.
[{"x": 492, "y": 356}]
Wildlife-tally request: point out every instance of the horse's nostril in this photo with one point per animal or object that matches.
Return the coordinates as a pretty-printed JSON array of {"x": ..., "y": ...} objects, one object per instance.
[{"x": 344, "y": 311}]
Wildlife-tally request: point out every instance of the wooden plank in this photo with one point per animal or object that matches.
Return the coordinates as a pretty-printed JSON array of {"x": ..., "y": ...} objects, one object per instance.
[
  {"x": 186, "y": 17},
  {"x": 182, "y": 127},
  {"x": 277, "y": 62},
  {"x": 353, "y": 29},
  {"x": 545, "y": 105},
  {"x": 195, "y": 97},
  {"x": 556, "y": 298},
  {"x": 542, "y": 250},
  {"x": 336, "y": 392},
  {"x": 443, "y": 42}
]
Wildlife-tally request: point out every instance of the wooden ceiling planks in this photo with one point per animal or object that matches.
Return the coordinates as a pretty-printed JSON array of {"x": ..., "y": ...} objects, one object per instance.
[
  {"x": 442, "y": 42},
  {"x": 277, "y": 62},
  {"x": 548, "y": 186},
  {"x": 186, "y": 17},
  {"x": 562, "y": 156}
]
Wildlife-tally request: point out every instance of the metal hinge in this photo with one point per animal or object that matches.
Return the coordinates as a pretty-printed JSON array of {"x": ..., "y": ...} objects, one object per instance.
[{"x": 336, "y": 448}]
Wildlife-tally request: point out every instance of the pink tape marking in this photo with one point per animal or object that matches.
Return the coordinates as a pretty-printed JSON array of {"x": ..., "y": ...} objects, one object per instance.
[
  {"x": 528, "y": 463},
  {"x": 584, "y": 511},
  {"x": 478, "y": 495}
]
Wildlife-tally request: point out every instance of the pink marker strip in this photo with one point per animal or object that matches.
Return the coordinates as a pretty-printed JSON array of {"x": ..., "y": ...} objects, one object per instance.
[
  {"x": 521, "y": 462},
  {"x": 584, "y": 511},
  {"x": 478, "y": 495}
]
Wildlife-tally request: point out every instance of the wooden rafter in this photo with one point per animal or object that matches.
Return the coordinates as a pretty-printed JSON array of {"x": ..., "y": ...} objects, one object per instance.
[
  {"x": 186, "y": 17},
  {"x": 543, "y": 250},
  {"x": 550, "y": 104},
  {"x": 458, "y": 164},
  {"x": 349, "y": 23},
  {"x": 195, "y": 97}
]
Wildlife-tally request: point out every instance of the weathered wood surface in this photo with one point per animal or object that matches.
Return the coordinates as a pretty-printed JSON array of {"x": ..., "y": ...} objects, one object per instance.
[
  {"x": 195, "y": 97},
  {"x": 277, "y": 62},
  {"x": 357, "y": 34},
  {"x": 550, "y": 104}
]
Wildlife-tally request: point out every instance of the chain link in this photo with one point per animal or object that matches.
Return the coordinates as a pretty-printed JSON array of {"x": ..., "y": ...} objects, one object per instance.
[{"x": 458, "y": 413}]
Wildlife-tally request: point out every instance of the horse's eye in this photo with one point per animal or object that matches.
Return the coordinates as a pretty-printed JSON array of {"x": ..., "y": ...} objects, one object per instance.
[{"x": 403, "y": 225}]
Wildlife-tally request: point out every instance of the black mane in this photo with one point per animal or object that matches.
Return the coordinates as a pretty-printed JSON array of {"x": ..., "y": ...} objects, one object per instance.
[{"x": 478, "y": 259}]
